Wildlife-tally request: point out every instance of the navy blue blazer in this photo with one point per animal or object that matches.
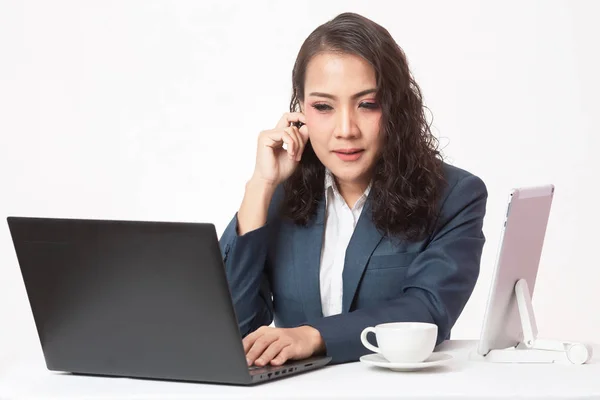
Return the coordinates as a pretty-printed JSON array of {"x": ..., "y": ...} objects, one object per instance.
[{"x": 273, "y": 271}]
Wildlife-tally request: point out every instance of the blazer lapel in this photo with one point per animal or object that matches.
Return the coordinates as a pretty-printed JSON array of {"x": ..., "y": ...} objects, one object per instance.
[
  {"x": 364, "y": 240},
  {"x": 307, "y": 244}
]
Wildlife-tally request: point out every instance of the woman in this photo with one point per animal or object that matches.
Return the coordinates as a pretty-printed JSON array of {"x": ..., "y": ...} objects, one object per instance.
[{"x": 353, "y": 219}]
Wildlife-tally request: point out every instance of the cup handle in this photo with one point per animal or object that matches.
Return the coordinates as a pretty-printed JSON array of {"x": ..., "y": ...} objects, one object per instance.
[{"x": 365, "y": 341}]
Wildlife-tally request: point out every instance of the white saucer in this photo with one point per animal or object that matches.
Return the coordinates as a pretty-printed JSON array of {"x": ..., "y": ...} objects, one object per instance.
[{"x": 436, "y": 358}]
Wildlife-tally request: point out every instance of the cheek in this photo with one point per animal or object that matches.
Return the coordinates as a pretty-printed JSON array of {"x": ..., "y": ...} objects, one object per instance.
[
  {"x": 374, "y": 119},
  {"x": 369, "y": 126},
  {"x": 374, "y": 123},
  {"x": 314, "y": 117},
  {"x": 318, "y": 127}
]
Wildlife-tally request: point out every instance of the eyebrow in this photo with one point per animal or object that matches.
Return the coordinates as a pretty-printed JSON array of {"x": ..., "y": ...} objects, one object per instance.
[{"x": 354, "y": 96}]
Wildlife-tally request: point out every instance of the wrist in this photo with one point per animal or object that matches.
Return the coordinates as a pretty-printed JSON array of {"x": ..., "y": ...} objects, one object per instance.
[
  {"x": 254, "y": 209},
  {"x": 316, "y": 340},
  {"x": 261, "y": 186}
]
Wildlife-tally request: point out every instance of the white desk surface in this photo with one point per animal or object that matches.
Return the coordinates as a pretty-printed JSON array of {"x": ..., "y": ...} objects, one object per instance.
[{"x": 462, "y": 379}]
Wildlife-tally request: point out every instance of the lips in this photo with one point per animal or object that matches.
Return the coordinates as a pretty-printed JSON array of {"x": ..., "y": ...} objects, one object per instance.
[
  {"x": 349, "y": 154},
  {"x": 348, "y": 151}
]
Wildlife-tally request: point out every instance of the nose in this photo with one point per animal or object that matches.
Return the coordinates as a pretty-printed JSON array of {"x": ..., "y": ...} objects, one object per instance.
[{"x": 346, "y": 126}]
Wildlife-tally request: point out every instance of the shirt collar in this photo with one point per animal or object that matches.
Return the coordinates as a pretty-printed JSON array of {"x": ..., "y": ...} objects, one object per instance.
[{"x": 330, "y": 184}]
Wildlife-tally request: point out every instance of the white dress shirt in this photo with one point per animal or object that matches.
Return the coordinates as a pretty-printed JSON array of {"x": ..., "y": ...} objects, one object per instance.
[{"x": 340, "y": 222}]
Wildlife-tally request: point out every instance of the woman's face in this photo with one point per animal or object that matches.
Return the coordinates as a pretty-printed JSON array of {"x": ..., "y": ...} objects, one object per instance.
[{"x": 342, "y": 115}]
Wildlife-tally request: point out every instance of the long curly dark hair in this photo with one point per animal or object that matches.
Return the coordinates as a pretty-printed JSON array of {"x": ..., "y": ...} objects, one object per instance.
[{"x": 408, "y": 176}]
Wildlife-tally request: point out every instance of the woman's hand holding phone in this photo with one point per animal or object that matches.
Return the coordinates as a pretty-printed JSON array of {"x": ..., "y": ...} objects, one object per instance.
[{"x": 274, "y": 164}]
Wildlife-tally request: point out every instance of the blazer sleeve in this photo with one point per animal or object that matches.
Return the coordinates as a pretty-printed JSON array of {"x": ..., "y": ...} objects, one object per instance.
[
  {"x": 245, "y": 259},
  {"x": 438, "y": 283}
]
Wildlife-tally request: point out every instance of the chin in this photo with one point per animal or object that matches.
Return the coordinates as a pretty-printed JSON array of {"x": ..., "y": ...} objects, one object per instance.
[{"x": 352, "y": 174}]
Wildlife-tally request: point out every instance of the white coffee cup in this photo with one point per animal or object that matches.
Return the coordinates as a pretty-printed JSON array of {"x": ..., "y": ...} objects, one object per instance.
[{"x": 402, "y": 342}]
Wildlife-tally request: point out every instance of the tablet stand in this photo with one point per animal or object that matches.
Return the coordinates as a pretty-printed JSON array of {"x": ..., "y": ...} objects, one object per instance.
[{"x": 535, "y": 350}]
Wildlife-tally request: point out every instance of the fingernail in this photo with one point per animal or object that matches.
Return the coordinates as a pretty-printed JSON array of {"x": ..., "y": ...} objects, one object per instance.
[{"x": 248, "y": 362}]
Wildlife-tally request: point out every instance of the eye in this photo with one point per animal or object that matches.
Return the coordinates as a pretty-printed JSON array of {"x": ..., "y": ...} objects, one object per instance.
[
  {"x": 322, "y": 107},
  {"x": 369, "y": 105}
]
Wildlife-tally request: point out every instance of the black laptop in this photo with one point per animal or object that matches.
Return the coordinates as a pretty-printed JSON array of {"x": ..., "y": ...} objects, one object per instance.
[{"x": 135, "y": 299}]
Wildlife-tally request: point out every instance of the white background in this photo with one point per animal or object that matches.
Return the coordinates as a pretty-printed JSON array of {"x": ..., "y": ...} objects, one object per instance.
[{"x": 149, "y": 110}]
